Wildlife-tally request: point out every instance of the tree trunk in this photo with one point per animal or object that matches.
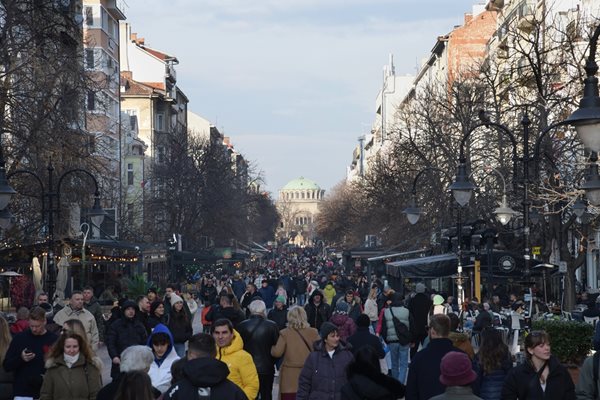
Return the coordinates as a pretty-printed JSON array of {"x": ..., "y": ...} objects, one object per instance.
[{"x": 569, "y": 290}]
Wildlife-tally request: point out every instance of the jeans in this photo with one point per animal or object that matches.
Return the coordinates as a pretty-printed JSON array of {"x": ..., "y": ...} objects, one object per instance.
[
  {"x": 399, "y": 355},
  {"x": 180, "y": 349},
  {"x": 301, "y": 299}
]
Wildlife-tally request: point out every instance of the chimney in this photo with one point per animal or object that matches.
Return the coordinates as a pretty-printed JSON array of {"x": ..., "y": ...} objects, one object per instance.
[
  {"x": 468, "y": 18},
  {"x": 127, "y": 75},
  {"x": 133, "y": 36}
]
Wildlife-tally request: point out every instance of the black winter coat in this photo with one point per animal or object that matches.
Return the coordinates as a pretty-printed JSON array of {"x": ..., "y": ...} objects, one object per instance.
[
  {"x": 123, "y": 333},
  {"x": 362, "y": 337},
  {"x": 300, "y": 284},
  {"x": 259, "y": 336},
  {"x": 217, "y": 312},
  {"x": 317, "y": 315},
  {"x": 279, "y": 317},
  {"x": 180, "y": 326},
  {"x": 419, "y": 307},
  {"x": 523, "y": 382},
  {"x": 205, "y": 376},
  {"x": 366, "y": 383},
  {"x": 424, "y": 373}
]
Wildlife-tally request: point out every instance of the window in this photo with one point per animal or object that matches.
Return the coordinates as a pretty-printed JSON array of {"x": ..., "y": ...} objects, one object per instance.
[
  {"x": 89, "y": 16},
  {"x": 160, "y": 154},
  {"x": 91, "y": 101},
  {"x": 130, "y": 174},
  {"x": 160, "y": 122},
  {"x": 89, "y": 58}
]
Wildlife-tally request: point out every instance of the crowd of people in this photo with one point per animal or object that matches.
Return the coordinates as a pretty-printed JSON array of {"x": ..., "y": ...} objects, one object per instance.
[{"x": 317, "y": 332}]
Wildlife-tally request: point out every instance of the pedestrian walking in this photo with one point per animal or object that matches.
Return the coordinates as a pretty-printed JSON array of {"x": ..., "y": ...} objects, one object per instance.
[
  {"x": 324, "y": 373},
  {"x": 72, "y": 371},
  {"x": 294, "y": 345},
  {"x": 179, "y": 324}
]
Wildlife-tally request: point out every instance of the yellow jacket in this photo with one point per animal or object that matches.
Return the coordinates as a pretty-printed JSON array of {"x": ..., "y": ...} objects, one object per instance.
[
  {"x": 242, "y": 370},
  {"x": 329, "y": 293}
]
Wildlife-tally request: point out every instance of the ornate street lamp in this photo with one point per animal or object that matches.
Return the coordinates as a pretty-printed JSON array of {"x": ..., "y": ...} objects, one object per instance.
[{"x": 413, "y": 212}]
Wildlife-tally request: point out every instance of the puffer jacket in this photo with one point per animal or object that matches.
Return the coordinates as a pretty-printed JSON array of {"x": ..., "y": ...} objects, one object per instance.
[
  {"x": 522, "y": 382},
  {"x": 323, "y": 377},
  {"x": 329, "y": 292},
  {"x": 259, "y": 335},
  {"x": 80, "y": 382},
  {"x": 160, "y": 369},
  {"x": 242, "y": 371},
  {"x": 489, "y": 385},
  {"x": 389, "y": 330},
  {"x": 346, "y": 325}
]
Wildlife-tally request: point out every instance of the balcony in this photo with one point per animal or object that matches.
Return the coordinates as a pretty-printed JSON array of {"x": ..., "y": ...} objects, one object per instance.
[
  {"x": 526, "y": 15},
  {"x": 116, "y": 8}
]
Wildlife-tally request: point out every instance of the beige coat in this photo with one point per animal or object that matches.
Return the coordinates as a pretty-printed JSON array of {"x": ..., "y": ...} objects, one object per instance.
[
  {"x": 87, "y": 319},
  {"x": 294, "y": 351}
]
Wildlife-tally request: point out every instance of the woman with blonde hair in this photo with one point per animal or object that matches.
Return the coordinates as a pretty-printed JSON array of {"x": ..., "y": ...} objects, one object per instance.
[
  {"x": 295, "y": 343},
  {"x": 76, "y": 326},
  {"x": 72, "y": 371},
  {"x": 371, "y": 307},
  {"x": 6, "y": 378}
]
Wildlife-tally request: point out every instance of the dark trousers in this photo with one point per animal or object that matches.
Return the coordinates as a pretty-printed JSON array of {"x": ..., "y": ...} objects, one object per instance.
[{"x": 266, "y": 386}]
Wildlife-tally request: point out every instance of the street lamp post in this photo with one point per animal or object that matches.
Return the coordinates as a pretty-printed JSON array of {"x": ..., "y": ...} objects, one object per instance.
[{"x": 50, "y": 195}]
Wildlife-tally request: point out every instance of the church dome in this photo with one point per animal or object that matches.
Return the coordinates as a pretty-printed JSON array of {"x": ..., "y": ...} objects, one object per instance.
[{"x": 301, "y": 184}]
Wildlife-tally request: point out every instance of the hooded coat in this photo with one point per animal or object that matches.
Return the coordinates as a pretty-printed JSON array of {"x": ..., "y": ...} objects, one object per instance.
[
  {"x": 329, "y": 292},
  {"x": 160, "y": 369},
  {"x": 242, "y": 371},
  {"x": 80, "y": 382},
  {"x": 316, "y": 315},
  {"x": 322, "y": 376},
  {"x": 365, "y": 383},
  {"x": 204, "y": 378}
]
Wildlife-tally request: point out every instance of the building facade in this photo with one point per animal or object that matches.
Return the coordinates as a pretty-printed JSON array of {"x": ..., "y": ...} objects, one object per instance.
[{"x": 298, "y": 206}]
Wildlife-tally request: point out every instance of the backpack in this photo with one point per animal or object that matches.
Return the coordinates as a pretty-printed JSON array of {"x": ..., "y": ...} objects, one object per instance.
[{"x": 402, "y": 331}]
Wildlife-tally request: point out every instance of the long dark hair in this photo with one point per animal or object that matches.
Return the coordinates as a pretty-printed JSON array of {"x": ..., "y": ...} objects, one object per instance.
[
  {"x": 493, "y": 351},
  {"x": 135, "y": 385}
]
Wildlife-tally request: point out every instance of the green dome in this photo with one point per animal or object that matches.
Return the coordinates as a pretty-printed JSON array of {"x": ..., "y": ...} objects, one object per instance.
[{"x": 301, "y": 184}]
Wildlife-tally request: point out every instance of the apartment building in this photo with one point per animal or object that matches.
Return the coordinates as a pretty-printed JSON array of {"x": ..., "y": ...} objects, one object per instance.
[{"x": 100, "y": 21}]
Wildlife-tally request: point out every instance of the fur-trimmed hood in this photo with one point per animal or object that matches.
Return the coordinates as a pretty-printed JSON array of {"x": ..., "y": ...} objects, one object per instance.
[{"x": 57, "y": 362}]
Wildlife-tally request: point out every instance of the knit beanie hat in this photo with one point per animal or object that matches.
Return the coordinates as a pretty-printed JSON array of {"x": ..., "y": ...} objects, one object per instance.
[
  {"x": 420, "y": 288},
  {"x": 175, "y": 299},
  {"x": 326, "y": 329},
  {"x": 127, "y": 304},
  {"x": 280, "y": 299},
  {"x": 438, "y": 300},
  {"x": 456, "y": 369},
  {"x": 342, "y": 307},
  {"x": 154, "y": 306}
]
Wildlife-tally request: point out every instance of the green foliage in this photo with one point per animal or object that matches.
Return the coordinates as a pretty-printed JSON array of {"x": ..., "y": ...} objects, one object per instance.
[
  {"x": 571, "y": 341},
  {"x": 135, "y": 286}
]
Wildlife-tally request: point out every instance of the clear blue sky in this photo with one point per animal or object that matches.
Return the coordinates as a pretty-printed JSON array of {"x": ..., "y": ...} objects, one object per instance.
[{"x": 292, "y": 82}]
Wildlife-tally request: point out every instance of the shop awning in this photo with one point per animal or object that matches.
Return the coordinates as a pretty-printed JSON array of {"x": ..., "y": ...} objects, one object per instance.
[{"x": 504, "y": 265}]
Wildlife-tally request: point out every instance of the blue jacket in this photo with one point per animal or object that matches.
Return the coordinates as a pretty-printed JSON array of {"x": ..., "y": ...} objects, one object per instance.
[
  {"x": 424, "y": 373},
  {"x": 160, "y": 369},
  {"x": 268, "y": 295}
]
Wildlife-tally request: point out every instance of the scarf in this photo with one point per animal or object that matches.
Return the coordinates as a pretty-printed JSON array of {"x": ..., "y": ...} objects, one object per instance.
[{"x": 70, "y": 360}]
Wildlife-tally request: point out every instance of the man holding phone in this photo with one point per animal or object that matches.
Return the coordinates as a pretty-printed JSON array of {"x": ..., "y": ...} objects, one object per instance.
[{"x": 25, "y": 356}]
